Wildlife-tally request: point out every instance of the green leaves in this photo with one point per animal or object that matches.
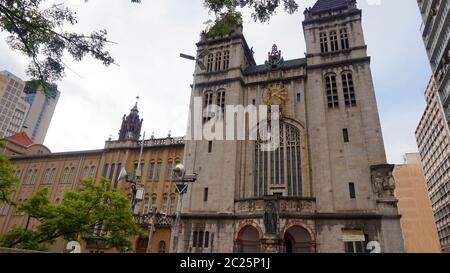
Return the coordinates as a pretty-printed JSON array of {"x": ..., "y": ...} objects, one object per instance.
[
  {"x": 95, "y": 211},
  {"x": 7, "y": 179},
  {"x": 226, "y": 21}
]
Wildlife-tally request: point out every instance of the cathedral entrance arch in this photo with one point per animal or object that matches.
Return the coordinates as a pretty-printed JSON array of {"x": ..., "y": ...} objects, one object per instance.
[
  {"x": 248, "y": 240},
  {"x": 297, "y": 239}
]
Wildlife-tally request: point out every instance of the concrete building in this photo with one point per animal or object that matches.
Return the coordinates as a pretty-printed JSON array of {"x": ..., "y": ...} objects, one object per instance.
[
  {"x": 37, "y": 168},
  {"x": 433, "y": 138},
  {"x": 13, "y": 109},
  {"x": 327, "y": 188},
  {"x": 41, "y": 112},
  {"x": 433, "y": 130},
  {"x": 418, "y": 226},
  {"x": 436, "y": 36}
]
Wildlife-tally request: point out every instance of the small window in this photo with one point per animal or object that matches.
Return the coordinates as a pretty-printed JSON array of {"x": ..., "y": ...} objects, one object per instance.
[
  {"x": 226, "y": 59},
  {"x": 334, "y": 41},
  {"x": 205, "y": 195},
  {"x": 345, "y": 135},
  {"x": 351, "y": 187},
  {"x": 299, "y": 97},
  {"x": 210, "y": 62},
  {"x": 200, "y": 239},
  {"x": 151, "y": 171},
  {"x": 162, "y": 247},
  {"x": 217, "y": 66},
  {"x": 344, "y": 39},
  {"x": 210, "y": 145},
  {"x": 254, "y": 102}
]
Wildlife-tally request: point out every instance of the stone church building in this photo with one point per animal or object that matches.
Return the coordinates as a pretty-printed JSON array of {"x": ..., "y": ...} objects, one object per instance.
[{"x": 327, "y": 188}]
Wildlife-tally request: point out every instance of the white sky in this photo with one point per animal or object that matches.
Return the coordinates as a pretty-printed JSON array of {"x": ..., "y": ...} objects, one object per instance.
[{"x": 150, "y": 36}]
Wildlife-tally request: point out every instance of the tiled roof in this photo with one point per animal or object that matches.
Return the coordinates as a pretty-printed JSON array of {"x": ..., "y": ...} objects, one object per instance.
[
  {"x": 328, "y": 5},
  {"x": 21, "y": 138}
]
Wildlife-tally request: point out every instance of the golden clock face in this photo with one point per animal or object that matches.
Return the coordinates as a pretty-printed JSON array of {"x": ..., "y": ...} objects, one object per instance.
[{"x": 275, "y": 94}]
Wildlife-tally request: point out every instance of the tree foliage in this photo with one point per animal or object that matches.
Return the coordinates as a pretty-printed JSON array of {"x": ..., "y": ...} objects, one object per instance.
[
  {"x": 225, "y": 10},
  {"x": 7, "y": 179},
  {"x": 38, "y": 32},
  {"x": 94, "y": 207}
]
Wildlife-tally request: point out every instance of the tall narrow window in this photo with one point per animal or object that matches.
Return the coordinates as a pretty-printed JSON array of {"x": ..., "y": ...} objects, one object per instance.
[
  {"x": 208, "y": 100},
  {"x": 151, "y": 171},
  {"x": 205, "y": 195},
  {"x": 334, "y": 44},
  {"x": 345, "y": 135},
  {"x": 332, "y": 92},
  {"x": 105, "y": 170},
  {"x": 33, "y": 177},
  {"x": 206, "y": 239},
  {"x": 169, "y": 169},
  {"x": 72, "y": 175},
  {"x": 210, "y": 62},
  {"x": 344, "y": 39},
  {"x": 217, "y": 66},
  {"x": 348, "y": 89},
  {"x": 153, "y": 205},
  {"x": 221, "y": 101},
  {"x": 351, "y": 187},
  {"x": 92, "y": 172},
  {"x": 65, "y": 178},
  {"x": 52, "y": 176},
  {"x": 210, "y": 144},
  {"x": 85, "y": 172},
  {"x": 47, "y": 176},
  {"x": 162, "y": 247},
  {"x": 323, "y": 42},
  {"x": 146, "y": 203},
  {"x": 111, "y": 172},
  {"x": 158, "y": 170},
  {"x": 200, "y": 239},
  {"x": 194, "y": 239},
  {"x": 165, "y": 203},
  {"x": 172, "y": 204},
  {"x": 226, "y": 59},
  {"x": 119, "y": 168}
]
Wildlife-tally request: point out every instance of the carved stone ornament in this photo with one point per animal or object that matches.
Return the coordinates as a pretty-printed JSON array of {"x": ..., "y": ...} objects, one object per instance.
[
  {"x": 383, "y": 181},
  {"x": 275, "y": 60}
]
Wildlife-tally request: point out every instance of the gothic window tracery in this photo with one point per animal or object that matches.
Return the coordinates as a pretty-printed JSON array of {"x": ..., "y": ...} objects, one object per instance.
[
  {"x": 331, "y": 91},
  {"x": 280, "y": 168},
  {"x": 348, "y": 89}
]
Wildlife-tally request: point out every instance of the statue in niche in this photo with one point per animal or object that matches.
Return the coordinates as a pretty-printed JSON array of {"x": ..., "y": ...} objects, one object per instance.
[{"x": 271, "y": 218}]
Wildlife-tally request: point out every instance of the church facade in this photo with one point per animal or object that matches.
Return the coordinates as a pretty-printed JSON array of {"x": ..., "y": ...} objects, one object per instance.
[{"x": 327, "y": 187}]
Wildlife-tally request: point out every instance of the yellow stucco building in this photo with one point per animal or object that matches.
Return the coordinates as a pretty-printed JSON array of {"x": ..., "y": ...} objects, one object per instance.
[{"x": 37, "y": 168}]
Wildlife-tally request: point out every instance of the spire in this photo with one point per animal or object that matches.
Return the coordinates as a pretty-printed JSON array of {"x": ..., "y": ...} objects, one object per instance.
[{"x": 131, "y": 125}]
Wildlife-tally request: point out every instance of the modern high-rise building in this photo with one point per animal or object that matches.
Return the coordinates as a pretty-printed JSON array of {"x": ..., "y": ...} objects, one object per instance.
[
  {"x": 13, "y": 109},
  {"x": 418, "y": 226},
  {"x": 41, "y": 111},
  {"x": 326, "y": 186},
  {"x": 436, "y": 36},
  {"x": 433, "y": 140}
]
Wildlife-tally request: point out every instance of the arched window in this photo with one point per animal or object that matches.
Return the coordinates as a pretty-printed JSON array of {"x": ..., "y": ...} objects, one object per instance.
[
  {"x": 323, "y": 42},
  {"x": 210, "y": 62},
  {"x": 348, "y": 89},
  {"x": 52, "y": 176},
  {"x": 281, "y": 168},
  {"x": 344, "y": 39},
  {"x": 86, "y": 172},
  {"x": 331, "y": 91},
  {"x": 92, "y": 172},
  {"x": 162, "y": 247},
  {"x": 158, "y": 170},
  {"x": 153, "y": 204},
  {"x": 29, "y": 177},
  {"x": 46, "y": 176},
  {"x": 111, "y": 172},
  {"x": 146, "y": 203},
  {"x": 217, "y": 66},
  {"x": 172, "y": 204},
  {"x": 226, "y": 59},
  {"x": 207, "y": 101},
  {"x": 151, "y": 170},
  {"x": 65, "y": 177},
  {"x": 169, "y": 169},
  {"x": 165, "y": 203},
  {"x": 72, "y": 175}
]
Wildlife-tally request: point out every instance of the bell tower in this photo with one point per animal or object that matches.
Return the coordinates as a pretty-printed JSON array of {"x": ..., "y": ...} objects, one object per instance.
[{"x": 131, "y": 125}]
